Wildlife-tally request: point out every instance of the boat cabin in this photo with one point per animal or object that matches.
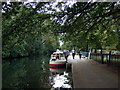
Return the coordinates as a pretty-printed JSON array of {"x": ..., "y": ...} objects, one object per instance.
[{"x": 58, "y": 55}]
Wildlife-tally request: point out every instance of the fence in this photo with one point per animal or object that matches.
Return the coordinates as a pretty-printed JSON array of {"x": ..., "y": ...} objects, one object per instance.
[{"x": 110, "y": 59}]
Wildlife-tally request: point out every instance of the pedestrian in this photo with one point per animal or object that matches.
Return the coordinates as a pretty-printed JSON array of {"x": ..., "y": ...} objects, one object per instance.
[
  {"x": 87, "y": 53},
  {"x": 80, "y": 54},
  {"x": 73, "y": 53},
  {"x": 66, "y": 53}
]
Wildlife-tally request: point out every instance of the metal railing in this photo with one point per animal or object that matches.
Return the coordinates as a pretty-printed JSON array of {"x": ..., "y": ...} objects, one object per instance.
[{"x": 110, "y": 59}]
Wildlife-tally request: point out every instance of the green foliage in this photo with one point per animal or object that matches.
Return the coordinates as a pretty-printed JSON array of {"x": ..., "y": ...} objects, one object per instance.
[
  {"x": 33, "y": 27},
  {"x": 92, "y": 25},
  {"x": 24, "y": 31}
]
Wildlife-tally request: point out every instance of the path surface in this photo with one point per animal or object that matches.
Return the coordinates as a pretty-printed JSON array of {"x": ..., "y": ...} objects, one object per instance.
[{"x": 91, "y": 74}]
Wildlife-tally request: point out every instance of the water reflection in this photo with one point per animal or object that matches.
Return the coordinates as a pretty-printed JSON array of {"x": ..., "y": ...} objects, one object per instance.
[
  {"x": 33, "y": 72},
  {"x": 60, "y": 78}
]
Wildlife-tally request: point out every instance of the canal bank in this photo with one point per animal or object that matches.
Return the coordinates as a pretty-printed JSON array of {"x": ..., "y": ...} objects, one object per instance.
[{"x": 91, "y": 74}]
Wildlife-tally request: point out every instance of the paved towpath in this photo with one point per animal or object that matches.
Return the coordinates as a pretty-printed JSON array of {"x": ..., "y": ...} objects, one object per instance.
[{"x": 88, "y": 73}]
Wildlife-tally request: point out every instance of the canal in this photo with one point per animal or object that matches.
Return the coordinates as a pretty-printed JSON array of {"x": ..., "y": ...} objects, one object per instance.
[{"x": 34, "y": 72}]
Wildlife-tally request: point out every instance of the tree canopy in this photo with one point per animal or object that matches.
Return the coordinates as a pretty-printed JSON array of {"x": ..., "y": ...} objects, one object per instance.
[
  {"x": 35, "y": 27},
  {"x": 94, "y": 25}
]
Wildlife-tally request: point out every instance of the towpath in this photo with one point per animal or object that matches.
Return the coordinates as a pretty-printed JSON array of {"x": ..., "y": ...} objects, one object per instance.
[{"x": 88, "y": 73}]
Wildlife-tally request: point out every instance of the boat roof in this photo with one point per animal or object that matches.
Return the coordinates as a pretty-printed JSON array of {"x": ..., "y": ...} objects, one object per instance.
[{"x": 58, "y": 52}]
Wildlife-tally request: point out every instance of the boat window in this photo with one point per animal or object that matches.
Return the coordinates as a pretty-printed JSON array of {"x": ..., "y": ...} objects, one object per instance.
[
  {"x": 57, "y": 54},
  {"x": 61, "y": 55},
  {"x": 53, "y": 59},
  {"x": 53, "y": 55}
]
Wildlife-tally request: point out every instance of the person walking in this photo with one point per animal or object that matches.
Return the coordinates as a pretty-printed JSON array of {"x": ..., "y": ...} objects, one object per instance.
[
  {"x": 80, "y": 54},
  {"x": 66, "y": 54},
  {"x": 73, "y": 53}
]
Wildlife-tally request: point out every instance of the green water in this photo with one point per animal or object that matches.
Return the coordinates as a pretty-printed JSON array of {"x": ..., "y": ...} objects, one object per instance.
[{"x": 32, "y": 72}]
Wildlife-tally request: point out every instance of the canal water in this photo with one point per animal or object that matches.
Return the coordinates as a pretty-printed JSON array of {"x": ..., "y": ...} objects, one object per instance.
[{"x": 34, "y": 72}]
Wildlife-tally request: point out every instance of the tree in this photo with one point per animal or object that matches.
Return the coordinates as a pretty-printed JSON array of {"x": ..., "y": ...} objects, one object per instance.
[
  {"x": 94, "y": 24},
  {"x": 24, "y": 28}
]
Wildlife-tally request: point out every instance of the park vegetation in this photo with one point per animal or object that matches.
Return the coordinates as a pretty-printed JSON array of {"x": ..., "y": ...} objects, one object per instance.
[{"x": 37, "y": 27}]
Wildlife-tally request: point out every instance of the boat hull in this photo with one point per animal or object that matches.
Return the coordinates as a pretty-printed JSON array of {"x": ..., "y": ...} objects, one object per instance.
[{"x": 57, "y": 63}]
